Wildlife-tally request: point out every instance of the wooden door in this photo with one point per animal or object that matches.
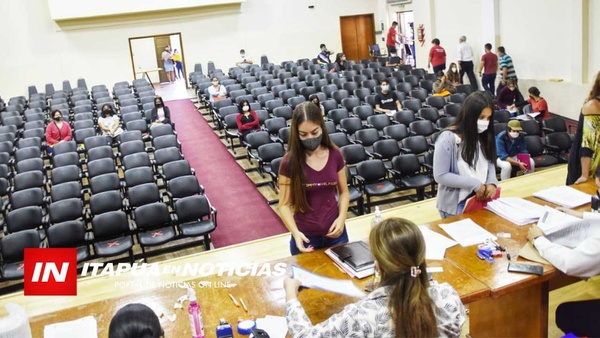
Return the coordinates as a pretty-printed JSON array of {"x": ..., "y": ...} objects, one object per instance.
[
  {"x": 160, "y": 42},
  {"x": 358, "y": 32}
]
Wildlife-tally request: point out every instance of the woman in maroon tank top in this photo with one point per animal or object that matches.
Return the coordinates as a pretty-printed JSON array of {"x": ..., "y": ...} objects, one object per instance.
[{"x": 310, "y": 174}]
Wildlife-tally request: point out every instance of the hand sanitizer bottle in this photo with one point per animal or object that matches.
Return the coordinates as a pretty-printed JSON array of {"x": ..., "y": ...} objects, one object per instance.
[
  {"x": 377, "y": 218},
  {"x": 195, "y": 315}
]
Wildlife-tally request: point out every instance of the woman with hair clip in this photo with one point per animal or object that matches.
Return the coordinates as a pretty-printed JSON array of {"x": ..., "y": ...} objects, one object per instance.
[
  {"x": 584, "y": 156},
  {"x": 404, "y": 304},
  {"x": 310, "y": 173},
  {"x": 464, "y": 157}
]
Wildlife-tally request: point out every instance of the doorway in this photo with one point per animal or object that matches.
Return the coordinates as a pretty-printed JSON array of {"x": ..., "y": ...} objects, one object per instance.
[
  {"x": 358, "y": 33},
  {"x": 146, "y": 57},
  {"x": 406, "y": 26}
]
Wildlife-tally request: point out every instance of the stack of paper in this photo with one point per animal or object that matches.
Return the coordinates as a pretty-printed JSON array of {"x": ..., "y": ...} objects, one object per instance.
[
  {"x": 466, "y": 232},
  {"x": 85, "y": 327},
  {"x": 435, "y": 244},
  {"x": 563, "y": 229},
  {"x": 313, "y": 281},
  {"x": 275, "y": 326},
  {"x": 564, "y": 196},
  {"x": 516, "y": 210}
]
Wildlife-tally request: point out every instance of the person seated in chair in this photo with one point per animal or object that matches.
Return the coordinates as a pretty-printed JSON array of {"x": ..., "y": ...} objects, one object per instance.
[
  {"x": 216, "y": 92},
  {"x": 387, "y": 101},
  {"x": 135, "y": 320},
  {"x": 453, "y": 75},
  {"x": 57, "y": 131},
  {"x": 314, "y": 98},
  {"x": 160, "y": 114},
  {"x": 394, "y": 61},
  {"x": 340, "y": 61},
  {"x": 509, "y": 144},
  {"x": 576, "y": 317},
  {"x": 109, "y": 123},
  {"x": 510, "y": 97},
  {"x": 323, "y": 57},
  {"x": 538, "y": 104},
  {"x": 247, "y": 120},
  {"x": 245, "y": 60},
  {"x": 443, "y": 87}
]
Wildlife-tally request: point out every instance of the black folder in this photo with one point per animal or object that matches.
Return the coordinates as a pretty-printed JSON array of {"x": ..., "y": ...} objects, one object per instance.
[{"x": 356, "y": 254}]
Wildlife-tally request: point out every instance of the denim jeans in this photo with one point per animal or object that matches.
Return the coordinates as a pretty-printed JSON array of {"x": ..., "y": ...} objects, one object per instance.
[
  {"x": 319, "y": 242},
  {"x": 459, "y": 210}
]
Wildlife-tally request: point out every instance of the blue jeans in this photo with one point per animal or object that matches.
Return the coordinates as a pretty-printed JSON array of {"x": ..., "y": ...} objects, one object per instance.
[
  {"x": 319, "y": 242},
  {"x": 459, "y": 210}
]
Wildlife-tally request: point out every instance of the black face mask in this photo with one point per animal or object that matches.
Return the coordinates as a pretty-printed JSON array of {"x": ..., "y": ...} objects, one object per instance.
[{"x": 57, "y": 118}]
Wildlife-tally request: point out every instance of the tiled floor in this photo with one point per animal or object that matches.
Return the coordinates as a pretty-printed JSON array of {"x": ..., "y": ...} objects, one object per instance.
[{"x": 174, "y": 91}]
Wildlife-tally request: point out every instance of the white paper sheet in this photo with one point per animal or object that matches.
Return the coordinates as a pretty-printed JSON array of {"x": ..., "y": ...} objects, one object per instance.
[
  {"x": 564, "y": 196},
  {"x": 516, "y": 210},
  {"x": 85, "y": 327},
  {"x": 435, "y": 243},
  {"x": 275, "y": 326},
  {"x": 314, "y": 281},
  {"x": 562, "y": 228},
  {"x": 466, "y": 232}
]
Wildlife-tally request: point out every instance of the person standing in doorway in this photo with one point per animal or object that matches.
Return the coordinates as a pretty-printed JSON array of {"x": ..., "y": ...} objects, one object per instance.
[
  {"x": 465, "y": 62},
  {"x": 488, "y": 69},
  {"x": 391, "y": 41},
  {"x": 437, "y": 57},
  {"x": 178, "y": 64},
  {"x": 168, "y": 64},
  {"x": 507, "y": 69}
]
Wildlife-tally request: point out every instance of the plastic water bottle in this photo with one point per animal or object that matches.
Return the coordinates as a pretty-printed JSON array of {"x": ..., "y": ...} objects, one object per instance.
[
  {"x": 195, "y": 315},
  {"x": 377, "y": 218}
]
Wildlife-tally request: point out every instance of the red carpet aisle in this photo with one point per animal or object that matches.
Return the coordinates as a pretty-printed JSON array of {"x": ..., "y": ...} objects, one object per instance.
[{"x": 243, "y": 213}]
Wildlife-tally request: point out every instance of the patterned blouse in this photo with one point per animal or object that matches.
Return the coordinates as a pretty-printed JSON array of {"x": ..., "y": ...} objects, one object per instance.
[
  {"x": 370, "y": 316},
  {"x": 591, "y": 138}
]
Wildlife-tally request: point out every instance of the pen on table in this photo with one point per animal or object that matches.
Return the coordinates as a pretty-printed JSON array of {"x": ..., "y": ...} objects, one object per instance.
[
  {"x": 243, "y": 304},
  {"x": 235, "y": 302}
]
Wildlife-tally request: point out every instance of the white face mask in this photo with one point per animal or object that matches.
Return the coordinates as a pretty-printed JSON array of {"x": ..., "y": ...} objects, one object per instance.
[
  {"x": 343, "y": 58},
  {"x": 514, "y": 134},
  {"x": 385, "y": 88},
  {"x": 482, "y": 125},
  {"x": 454, "y": 69},
  {"x": 245, "y": 108},
  {"x": 215, "y": 83}
]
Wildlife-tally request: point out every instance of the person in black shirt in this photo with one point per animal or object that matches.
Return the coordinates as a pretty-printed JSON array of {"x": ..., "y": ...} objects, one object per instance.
[{"x": 387, "y": 101}]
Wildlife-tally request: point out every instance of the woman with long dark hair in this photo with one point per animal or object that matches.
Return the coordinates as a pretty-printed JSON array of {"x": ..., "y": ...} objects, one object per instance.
[
  {"x": 135, "y": 320},
  {"x": 247, "y": 120},
  {"x": 404, "y": 304},
  {"x": 464, "y": 157},
  {"x": 160, "y": 114},
  {"x": 584, "y": 156},
  {"x": 310, "y": 173}
]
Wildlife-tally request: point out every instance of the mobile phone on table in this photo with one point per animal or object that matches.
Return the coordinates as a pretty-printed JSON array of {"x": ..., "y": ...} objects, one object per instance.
[{"x": 526, "y": 268}]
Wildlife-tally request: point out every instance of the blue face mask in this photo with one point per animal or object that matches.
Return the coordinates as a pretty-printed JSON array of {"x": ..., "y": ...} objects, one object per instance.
[{"x": 311, "y": 144}]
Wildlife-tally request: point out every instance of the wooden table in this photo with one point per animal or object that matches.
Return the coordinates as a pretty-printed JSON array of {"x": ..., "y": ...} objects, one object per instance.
[
  {"x": 263, "y": 296},
  {"x": 518, "y": 303}
]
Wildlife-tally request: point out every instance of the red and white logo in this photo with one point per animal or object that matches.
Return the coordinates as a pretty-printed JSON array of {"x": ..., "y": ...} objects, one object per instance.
[{"x": 50, "y": 272}]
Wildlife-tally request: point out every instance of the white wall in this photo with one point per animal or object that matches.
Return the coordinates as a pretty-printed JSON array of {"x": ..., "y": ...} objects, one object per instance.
[
  {"x": 41, "y": 51},
  {"x": 594, "y": 39},
  {"x": 144, "y": 56}
]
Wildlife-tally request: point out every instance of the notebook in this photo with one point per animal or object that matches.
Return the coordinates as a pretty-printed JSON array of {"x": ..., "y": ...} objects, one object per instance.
[
  {"x": 356, "y": 254},
  {"x": 473, "y": 204},
  {"x": 525, "y": 159}
]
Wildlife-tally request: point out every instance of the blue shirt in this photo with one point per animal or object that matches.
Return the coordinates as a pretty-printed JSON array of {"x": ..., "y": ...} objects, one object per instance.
[{"x": 506, "y": 147}]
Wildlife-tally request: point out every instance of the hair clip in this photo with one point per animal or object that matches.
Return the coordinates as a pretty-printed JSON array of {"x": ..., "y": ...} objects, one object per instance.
[{"x": 415, "y": 271}]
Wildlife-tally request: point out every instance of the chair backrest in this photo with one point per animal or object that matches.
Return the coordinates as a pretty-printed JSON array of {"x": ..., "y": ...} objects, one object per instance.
[
  {"x": 105, "y": 182},
  {"x": 68, "y": 173},
  {"x": 353, "y": 153},
  {"x": 110, "y": 225},
  {"x": 396, "y": 131},
  {"x": 66, "y": 234},
  {"x": 143, "y": 194},
  {"x": 65, "y": 210},
  {"x": 386, "y": 148},
  {"x": 137, "y": 176},
  {"x": 176, "y": 169},
  {"x": 152, "y": 216},
  {"x": 371, "y": 170},
  {"x": 66, "y": 190},
  {"x": 270, "y": 151},
  {"x": 12, "y": 246},
  {"x": 100, "y": 167},
  {"x": 192, "y": 208},
  {"x": 106, "y": 201},
  {"x": 184, "y": 186},
  {"x": 407, "y": 164}
]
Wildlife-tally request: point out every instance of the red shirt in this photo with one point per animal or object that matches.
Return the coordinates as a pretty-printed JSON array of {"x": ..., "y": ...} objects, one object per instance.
[
  {"x": 437, "y": 54},
  {"x": 320, "y": 188},
  {"x": 54, "y": 135},
  {"x": 540, "y": 106},
  {"x": 391, "y": 37},
  {"x": 249, "y": 125},
  {"x": 490, "y": 63}
]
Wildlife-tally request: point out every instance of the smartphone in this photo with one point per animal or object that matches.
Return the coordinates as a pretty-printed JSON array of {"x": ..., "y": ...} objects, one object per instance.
[{"x": 526, "y": 268}]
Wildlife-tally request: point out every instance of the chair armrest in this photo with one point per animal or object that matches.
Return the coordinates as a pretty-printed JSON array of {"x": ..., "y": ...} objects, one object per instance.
[
  {"x": 548, "y": 130},
  {"x": 377, "y": 156},
  {"x": 394, "y": 172},
  {"x": 358, "y": 142},
  {"x": 551, "y": 147},
  {"x": 367, "y": 125},
  {"x": 174, "y": 218},
  {"x": 343, "y": 130},
  {"x": 427, "y": 166},
  {"x": 406, "y": 151}
]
